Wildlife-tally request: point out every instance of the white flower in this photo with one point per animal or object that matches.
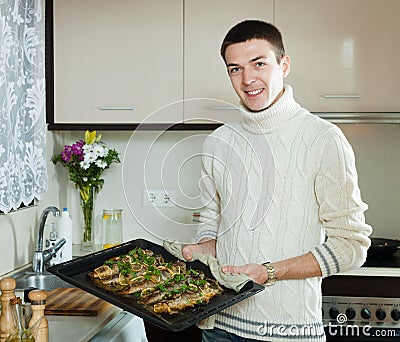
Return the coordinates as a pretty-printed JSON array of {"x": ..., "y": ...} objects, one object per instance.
[
  {"x": 84, "y": 164},
  {"x": 84, "y": 178},
  {"x": 101, "y": 164},
  {"x": 87, "y": 149},
  {"x": 99, "y": 150},
  {"x": 90, "y": 157}
]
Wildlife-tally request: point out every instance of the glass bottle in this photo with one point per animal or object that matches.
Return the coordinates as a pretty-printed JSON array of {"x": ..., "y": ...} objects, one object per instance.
[{"x": 21, "y": 332}]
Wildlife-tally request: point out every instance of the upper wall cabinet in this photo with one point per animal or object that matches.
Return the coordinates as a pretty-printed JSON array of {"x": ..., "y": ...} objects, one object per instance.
[
  {"x": 344, "y": 53},
  {"x": 117, "y": 61},
  {"x": 205, "y": 75},
  {"x": 131, "y": 61}
]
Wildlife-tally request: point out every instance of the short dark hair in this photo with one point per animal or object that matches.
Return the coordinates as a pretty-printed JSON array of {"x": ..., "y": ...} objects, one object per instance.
[{"x": 254, "y": 29}]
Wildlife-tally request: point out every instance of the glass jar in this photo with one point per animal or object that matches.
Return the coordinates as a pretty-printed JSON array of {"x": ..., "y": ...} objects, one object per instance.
[{"x": 112, "y": 227}]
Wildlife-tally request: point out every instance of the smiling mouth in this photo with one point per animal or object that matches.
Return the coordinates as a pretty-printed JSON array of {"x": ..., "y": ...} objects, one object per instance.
[{"x": 254, "y": 92}]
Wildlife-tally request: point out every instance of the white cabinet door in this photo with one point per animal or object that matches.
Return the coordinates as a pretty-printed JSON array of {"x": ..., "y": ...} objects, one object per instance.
[
  {"x": 117, "y": 61},
  {"x": 344, "y": 53},
  {"x": 205, "y": 76}
]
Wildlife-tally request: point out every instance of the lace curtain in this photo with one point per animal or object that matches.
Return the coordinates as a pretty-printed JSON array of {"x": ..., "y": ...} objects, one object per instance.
[{"x": 23, "y": 172}]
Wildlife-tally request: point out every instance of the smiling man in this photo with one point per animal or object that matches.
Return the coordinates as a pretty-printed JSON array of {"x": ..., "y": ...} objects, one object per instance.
[
  {"x": 281, "y": 195},
  {"x": 256, "y": 72}
]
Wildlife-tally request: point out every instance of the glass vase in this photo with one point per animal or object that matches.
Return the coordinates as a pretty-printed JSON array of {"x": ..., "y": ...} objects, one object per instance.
[{"x": 87, "y": 202}]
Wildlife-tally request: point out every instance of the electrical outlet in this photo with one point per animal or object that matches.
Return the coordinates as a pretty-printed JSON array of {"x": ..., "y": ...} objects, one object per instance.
[{"x": 159, "y": 198}]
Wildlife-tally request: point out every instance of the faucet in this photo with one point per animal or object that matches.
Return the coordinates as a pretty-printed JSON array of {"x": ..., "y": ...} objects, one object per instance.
[{"x": 40, "y": 257}]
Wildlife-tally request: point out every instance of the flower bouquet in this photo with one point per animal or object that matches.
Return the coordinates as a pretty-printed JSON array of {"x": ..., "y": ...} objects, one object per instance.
[{"x": 85, "y": 161}]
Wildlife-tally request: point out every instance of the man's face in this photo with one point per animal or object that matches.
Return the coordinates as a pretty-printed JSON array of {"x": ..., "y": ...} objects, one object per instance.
[{"x": 255, "y": 74}]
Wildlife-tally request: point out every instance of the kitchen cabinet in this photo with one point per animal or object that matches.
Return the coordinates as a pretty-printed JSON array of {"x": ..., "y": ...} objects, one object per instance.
[
  {"x": 117, "y": 61},
  {"x": 344, "y": 53},
  {"x": 205, "y": 76}
]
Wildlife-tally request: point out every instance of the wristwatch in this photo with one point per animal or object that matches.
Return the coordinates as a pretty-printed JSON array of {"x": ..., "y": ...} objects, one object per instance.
[{"x": 271, "y": 274}]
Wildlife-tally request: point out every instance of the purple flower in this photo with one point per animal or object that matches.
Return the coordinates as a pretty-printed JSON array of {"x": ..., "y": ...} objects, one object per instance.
[
  {"x": 66, "y": 153},
  {"x": 77, "y": 149}
]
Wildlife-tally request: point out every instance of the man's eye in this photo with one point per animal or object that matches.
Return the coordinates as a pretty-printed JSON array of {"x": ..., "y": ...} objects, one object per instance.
[
  {"x": 260, "y": 64},
  {"x": 234, "y": 70}
]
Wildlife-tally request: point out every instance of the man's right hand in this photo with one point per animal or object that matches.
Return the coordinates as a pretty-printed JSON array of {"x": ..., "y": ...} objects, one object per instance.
[{"x": 205, "y": 246}]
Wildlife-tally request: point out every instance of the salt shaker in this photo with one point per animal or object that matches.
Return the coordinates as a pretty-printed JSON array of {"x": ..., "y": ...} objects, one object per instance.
[{"x": 38, "y": 305}]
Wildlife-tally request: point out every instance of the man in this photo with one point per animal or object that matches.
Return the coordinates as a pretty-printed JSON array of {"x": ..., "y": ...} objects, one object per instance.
[{"x": 282, "y": 200}]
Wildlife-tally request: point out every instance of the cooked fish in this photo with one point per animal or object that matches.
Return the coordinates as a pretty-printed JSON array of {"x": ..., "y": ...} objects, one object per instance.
[
  {"x": 160, "y": 286},
  {"x": 187, "y": 299}
]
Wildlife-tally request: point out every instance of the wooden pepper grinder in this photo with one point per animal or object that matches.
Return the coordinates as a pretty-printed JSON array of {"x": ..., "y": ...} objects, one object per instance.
[
  {"x": 38, "y": 305},
  {"x": 7, "y": 287}
]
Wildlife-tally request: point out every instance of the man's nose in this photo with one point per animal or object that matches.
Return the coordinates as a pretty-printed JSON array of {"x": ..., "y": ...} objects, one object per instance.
[{"x": 248, "y": 77}]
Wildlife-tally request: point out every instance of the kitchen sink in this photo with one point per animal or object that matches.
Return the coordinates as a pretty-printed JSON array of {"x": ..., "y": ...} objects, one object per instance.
[{"x": 43, "y": 281}]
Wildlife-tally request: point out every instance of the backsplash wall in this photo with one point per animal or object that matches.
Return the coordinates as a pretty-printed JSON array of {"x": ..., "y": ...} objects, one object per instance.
[
  {"x": 19, "y": 229},
  {"x": 376, "y": 147},
  {"x": 148, "y": 164},
  {"x": 154, "y": 161},
  {"x": 162, "y": 160}
]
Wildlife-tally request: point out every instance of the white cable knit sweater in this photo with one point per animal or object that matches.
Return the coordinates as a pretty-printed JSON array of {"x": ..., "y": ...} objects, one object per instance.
[{"x": 278, "y": 185}]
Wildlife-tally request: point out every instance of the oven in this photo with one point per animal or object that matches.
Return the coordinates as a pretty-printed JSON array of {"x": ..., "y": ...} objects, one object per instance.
[{"x": 364, "y": 304}]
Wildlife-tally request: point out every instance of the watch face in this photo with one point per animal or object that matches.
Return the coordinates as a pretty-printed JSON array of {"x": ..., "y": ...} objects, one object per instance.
[{"x": 271, "y": 274}]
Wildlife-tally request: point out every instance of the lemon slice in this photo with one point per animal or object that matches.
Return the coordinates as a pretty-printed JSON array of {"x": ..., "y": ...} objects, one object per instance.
[
  {"x": 136, "y": 267},
  {"x": 146, "y": 292},
  {"x": 109, "y": 245},
  {"x": 122, "y": 280}
]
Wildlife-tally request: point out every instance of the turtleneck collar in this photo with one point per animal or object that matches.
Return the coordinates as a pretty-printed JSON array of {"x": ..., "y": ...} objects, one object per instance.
[{"x": 272, "y": 118}]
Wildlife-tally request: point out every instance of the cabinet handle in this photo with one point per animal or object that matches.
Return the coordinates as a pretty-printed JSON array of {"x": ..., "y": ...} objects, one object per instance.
[
  {"x": 223, "y": 108},
  {"x": 340, "y": 96},
  {"x": 115, "y": 108}
]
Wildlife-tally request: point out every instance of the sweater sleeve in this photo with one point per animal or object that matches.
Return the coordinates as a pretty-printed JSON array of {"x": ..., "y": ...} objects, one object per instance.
[
  {"x": 341, "y": 209},
  {"x": 210, "y": 215}
]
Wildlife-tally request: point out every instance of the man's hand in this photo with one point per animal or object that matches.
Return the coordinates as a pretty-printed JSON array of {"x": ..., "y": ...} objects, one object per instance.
[
  {"x": 256, "y": 272},
  {"x": 300, "y": 267},
  {"x": 205, "y": 246}
]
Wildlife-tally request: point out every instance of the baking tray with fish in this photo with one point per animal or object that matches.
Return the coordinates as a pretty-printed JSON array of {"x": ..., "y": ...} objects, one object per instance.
[{"x": 76, "y": 272}]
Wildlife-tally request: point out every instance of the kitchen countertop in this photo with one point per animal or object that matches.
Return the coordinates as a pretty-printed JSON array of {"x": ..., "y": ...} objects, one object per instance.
[
  {"x": 378, "y": 266},
  {"x": 373, "y": 272},
  {"x": 78, "y": 328}
]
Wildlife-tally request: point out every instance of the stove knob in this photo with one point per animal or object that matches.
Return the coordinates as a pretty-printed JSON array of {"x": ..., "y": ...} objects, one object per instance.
[
  {"x": 366, "y": 313},
  {"x": 350, "y": 313},
  {"x": 380, "y": 314},
  {"x": 395, "y": 314},
  {"x": 333, "y": 312}
]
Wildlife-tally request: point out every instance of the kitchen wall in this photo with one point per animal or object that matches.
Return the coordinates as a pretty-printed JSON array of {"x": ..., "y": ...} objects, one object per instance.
[
  {"x": 155, "y": 160},
  {"x": 376, "y": 147},
  {"x": 141, "y": 155},
  {"x": 171, "y": 160},
  {"x": 18, "y": 229}
]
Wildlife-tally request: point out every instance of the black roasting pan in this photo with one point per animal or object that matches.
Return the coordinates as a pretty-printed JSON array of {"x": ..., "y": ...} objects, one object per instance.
[{"x": 75, "y": 272}]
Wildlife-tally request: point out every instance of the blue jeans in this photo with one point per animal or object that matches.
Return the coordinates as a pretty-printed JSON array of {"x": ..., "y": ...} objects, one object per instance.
[{"x": 218, "y": 335}]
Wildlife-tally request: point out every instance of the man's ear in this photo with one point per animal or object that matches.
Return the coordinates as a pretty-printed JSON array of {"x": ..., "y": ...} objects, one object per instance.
[{"x": 285, "y": 62}]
